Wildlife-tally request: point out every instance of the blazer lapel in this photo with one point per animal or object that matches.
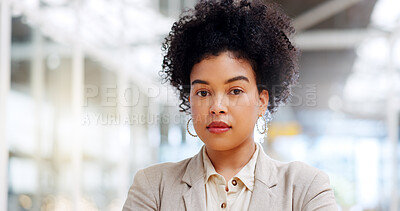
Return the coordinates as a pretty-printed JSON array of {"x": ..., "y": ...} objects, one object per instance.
[
  {"x": 194, "y": 197},
  {"x": 263, "y": 197}
]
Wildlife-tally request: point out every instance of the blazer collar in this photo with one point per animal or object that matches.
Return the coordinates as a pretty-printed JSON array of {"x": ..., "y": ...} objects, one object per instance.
[
  {"x": 262, "y": 196},
  {"x": 266, "y": 170},
  {"x": 195, "y": 198},
  {"x": 195, "y": 169}
]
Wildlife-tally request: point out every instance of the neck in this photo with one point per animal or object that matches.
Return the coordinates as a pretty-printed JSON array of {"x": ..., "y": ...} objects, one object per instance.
[{"x": 233, "y": 160}]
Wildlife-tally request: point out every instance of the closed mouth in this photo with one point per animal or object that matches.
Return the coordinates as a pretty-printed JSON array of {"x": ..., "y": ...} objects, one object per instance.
[
  {"x": 218, "y": 127},
  {"x": 218, "y": 124}
]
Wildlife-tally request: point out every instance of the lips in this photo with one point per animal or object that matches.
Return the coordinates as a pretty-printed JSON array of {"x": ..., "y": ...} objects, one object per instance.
[{"x": 218, "y": 127}]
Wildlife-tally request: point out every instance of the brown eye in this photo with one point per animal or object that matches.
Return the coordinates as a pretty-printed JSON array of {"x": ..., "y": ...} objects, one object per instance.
[
  {"x": 236, "y": 91},
  {"x": 202, "y": 93}
]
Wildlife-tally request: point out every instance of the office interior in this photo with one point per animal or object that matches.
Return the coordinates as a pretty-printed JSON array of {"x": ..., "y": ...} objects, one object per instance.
[{"x": 82, "y": 105}]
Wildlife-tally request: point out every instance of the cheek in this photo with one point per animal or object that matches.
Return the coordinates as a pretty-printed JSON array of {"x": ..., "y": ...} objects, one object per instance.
[
  {"x": 246, "y": 112},
  {"x": 199, "y": 113},
  {"x": 249, "y": 99},
  {"x": 249, "y": 103},
  {"x": 197, "y": 106}
]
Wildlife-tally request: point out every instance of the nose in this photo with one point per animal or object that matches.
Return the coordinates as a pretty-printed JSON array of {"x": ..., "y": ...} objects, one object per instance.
[{"x": 218, "y": 105}]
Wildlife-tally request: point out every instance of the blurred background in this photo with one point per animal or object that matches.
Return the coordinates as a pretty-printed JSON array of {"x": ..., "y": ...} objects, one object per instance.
[{"x": 82, "y": 107}]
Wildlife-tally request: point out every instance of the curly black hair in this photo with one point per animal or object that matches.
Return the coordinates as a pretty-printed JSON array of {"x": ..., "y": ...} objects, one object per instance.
[{"x": 256, "y": 31}]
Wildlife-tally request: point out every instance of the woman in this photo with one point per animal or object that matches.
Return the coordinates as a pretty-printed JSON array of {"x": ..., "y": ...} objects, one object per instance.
[{"x": 232, "y": 63}]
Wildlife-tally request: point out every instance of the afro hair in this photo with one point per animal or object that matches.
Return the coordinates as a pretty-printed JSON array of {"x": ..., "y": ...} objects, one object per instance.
[{"x": 256, "y": 31}]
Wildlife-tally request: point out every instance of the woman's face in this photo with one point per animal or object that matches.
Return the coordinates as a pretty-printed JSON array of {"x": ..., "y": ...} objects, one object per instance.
[{"x": 224, "y": 101}]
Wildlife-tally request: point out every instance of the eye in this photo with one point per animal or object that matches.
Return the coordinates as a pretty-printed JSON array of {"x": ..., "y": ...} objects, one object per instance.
[
  {"x": 202, "y": 93},
  {"x": 236, "y": 91}
]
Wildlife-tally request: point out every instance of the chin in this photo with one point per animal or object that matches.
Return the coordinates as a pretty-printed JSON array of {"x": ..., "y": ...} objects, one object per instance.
[
  {"x": 218, "y": 147},
  {"x": 219, "y": 144}
]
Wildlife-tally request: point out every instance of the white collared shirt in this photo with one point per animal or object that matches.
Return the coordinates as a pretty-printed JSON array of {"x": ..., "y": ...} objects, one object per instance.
[{"x": 237, "y": 198}]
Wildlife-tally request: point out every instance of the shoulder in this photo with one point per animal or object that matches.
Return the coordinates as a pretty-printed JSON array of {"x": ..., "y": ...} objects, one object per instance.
[
  {"x": 299, "y": 173},
  {"x": 310, "y": 180},
  {"x": 164, "y": 171},
  {"x": 310, "y": 187},
  {"x": 146, "y": 191},
  {"x": 303, "y": 176}
]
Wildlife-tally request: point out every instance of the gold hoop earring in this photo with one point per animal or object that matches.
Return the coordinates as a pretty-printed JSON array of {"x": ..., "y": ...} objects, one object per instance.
[
  {"x": 265, "y": 125},
  {"x": 187, "y": 128}
]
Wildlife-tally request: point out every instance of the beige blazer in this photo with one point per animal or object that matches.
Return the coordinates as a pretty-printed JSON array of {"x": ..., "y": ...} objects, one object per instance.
[{"x": 278, "y": 186}]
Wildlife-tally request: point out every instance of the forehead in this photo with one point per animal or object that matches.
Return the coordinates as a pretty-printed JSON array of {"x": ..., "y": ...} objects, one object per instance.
[{"x": 222, "y": 67}]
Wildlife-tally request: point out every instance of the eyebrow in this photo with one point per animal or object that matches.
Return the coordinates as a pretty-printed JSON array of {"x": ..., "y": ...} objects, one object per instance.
[{"x": 237, "y": 78}]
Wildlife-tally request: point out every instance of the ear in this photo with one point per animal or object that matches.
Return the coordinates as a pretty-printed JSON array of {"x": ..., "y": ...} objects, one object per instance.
[
  {"x": 263, "y": 102},
  {"x": 189, "y": 98}
]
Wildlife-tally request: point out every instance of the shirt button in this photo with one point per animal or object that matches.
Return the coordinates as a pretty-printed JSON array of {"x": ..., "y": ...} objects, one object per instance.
[
  {"x": 223, "y": 205},
  {"x": 234, "y": 183}
]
